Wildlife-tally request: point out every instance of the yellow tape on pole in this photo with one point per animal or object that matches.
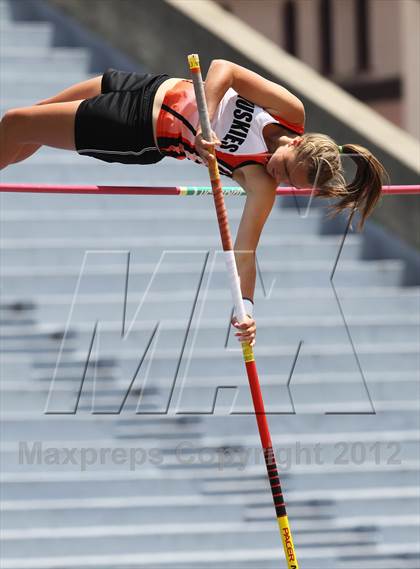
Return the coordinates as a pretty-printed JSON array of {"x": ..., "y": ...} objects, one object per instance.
[{"x": 288, "y": 545}]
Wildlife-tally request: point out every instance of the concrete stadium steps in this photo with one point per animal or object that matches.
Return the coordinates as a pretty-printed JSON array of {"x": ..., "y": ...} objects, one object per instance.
[
  {"x": 12, "y": 94},
  {"x": 135, "y": 540},
  {"x": 271, "y": 331},
  {"x": 216, "y": 516},
  {"x": 38, "y": 383},
  {"x": 274, "y": 359},
  {"x": 166, "y": 537},
  {"x": 40, "y": 59},
  {"x": 97, "y": 488},
  {"x": 242, "y": 478},
  {"x": 233, "y": 559},
  {"x": 190, "y": 508},
  {"x": 324, "y": 397},
  {"x": 34, "y": 35},
  {"x": 339, "y": 358},
  {"x": 70, "y": 251},
  {"x": 244, "y": 474},
  {"x": 145, "y": 427},
  {"x": 14, "y": 85},
  {"x": 111, "y": 277},
  {"x": 408, "y": 561},
  {"x": 132, "y": 510},
  {"x": 126, "y": 224},
  {"x": 376, "y": 446},
  {"x": 102, "y": 425},
  {"x": 347, "y": 503},
  {"x": 317, "y": 422},
  {"x": 289, "y": 303},
  {"x": 5, "y": 11},
  {"x": 313, "y": 503},
  {"x": 187, "y": 455},
  {"x": 18, "y": 400},
  {"x": 278, "y": 398},
  {"x": 303, "y": 477}
]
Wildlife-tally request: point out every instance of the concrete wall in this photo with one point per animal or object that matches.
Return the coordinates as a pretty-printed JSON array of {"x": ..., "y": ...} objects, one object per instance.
[
  {"x": 411, "y": 65},
  {"x": 160, "y": 34},
  {"x": 393, "y": 45}
]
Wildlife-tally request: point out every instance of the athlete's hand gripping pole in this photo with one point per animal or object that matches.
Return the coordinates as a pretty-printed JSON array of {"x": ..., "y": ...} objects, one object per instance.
[{"x": 247, "y": 350}]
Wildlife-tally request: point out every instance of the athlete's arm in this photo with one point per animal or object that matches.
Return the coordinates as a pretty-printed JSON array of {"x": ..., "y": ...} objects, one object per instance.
[
  {"x": 261, "y": 194},
  {"x": 274, "y": 98}
]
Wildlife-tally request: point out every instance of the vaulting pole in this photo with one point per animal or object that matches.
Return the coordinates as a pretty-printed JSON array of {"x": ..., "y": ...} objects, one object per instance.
[{"x": 247, "y": 350}]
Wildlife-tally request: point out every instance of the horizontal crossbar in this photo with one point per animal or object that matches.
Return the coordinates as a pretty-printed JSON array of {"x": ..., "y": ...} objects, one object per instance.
[{"x": 170, "y": 191}]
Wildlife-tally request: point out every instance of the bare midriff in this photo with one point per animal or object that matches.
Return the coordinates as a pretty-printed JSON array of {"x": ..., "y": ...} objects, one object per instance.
[{"x": 158, "y": 100}]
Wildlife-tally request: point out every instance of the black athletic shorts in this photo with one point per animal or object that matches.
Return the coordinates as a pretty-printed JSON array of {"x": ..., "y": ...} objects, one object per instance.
[{"x": 117, "y": 126}]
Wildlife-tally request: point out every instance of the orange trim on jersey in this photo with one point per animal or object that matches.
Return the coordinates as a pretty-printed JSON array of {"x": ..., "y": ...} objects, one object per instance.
[
  {"x": 298, "y": 128},
  {"x": 235, "y": 160}
]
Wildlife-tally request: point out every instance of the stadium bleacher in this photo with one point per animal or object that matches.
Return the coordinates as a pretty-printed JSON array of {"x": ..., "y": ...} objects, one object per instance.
[{"x": 339, "y": 378}]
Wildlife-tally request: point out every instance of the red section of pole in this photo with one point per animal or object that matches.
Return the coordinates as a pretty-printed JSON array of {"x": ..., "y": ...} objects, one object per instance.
[
  {"x": 257, "y": 399},
  {"x": 164, "y": 190}
]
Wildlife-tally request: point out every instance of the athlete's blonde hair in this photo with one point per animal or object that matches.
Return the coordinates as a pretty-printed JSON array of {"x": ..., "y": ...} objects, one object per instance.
[{"x": 322, "y": 157}]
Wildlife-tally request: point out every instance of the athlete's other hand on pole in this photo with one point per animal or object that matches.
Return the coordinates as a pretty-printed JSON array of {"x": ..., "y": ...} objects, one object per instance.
[
  {"x": 246, "y": 331},
  {"x": 204, "y": 147}
]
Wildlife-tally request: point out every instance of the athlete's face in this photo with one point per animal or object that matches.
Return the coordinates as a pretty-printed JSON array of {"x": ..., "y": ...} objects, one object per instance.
[{"x": 284, "y": 167}]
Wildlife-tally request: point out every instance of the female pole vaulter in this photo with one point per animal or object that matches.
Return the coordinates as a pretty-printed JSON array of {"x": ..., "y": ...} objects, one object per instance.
[{"x": 258, "y": 136}]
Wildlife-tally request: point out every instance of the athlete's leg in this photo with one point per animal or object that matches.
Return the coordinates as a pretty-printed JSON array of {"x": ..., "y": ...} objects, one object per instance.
[
  {"x": 84, "y": 90},
  {"x": 50, "y": 125}
]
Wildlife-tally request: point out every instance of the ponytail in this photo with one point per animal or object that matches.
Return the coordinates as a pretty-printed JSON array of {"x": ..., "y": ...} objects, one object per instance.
[
  {"x": 322, "y": 160},
  {"x": 364, "y": 192}
]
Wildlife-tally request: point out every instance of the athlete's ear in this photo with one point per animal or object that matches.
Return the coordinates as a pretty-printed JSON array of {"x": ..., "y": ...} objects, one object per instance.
[{"x": 296, "y": 141}]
